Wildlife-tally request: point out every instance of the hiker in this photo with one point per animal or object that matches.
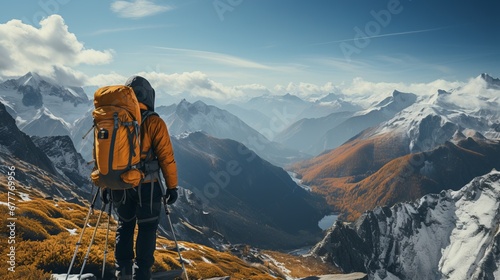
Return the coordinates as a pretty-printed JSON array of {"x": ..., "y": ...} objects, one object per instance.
[{"x": 142, "y": 204}]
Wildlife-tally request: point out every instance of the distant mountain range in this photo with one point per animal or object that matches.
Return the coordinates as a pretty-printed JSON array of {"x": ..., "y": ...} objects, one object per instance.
[
  {"x": 191, "y": 117},
  {"x": 314, "y": 136},
  {"x": 273, "y": 114}
]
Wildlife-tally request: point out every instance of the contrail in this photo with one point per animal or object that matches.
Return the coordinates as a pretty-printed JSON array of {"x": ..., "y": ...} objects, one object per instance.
[
  {"x": 124, "y": 29},
  {"x": 383, "y": 35}
]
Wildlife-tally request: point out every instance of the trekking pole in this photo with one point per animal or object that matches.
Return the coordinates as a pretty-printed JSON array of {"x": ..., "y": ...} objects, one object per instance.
[
  {"x": 79, "y": 242},
  {"x": 106, "y": 242},
  {"x": 85, "y": 135},
  {"x": 167, "y": 212},
  {"x": 92, "y": 240}
]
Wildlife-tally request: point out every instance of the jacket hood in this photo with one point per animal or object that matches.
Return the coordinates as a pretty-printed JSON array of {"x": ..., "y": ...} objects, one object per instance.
[{"x": 143, "y": 91}]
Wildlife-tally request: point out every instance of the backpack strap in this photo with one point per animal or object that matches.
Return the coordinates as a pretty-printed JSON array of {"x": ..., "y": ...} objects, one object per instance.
[
  {"x": 151, "y": 166},
  {"x": 150, "y": 153}
]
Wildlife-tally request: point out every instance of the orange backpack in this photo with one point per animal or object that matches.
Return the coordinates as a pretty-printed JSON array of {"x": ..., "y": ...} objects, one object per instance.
[{"x": 117, "y": 121}]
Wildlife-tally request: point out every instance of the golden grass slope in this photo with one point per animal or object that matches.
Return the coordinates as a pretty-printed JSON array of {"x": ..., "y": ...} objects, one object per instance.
[
  {"x": 45, "y": 239},
  {"x": 44, "y": 245},
  {"x": 355, "y": 158}
]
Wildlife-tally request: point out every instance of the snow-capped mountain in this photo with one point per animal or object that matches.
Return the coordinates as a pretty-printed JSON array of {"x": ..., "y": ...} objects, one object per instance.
[
  {"x": 437, "y": 117},
  {"x": 331, "y": 103},
  {"x": 450, "y": 235},
  {"x": 384, "y": 110},
  {"x": 41, "y": 106},
  {"x": 191, "y": 117},
  {"x": 423, "y": 121},
  {"x": 491, "y": 82}
]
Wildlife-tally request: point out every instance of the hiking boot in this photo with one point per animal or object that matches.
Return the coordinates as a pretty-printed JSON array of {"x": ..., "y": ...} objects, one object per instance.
[
  {"x": 124, "y": 271},
  {"x": 142, "y": 274}
]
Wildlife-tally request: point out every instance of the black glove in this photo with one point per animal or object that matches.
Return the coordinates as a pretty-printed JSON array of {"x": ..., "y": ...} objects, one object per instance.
[
  {"x": 171, "y": 196},
  {"x": 104, "y": 194}
]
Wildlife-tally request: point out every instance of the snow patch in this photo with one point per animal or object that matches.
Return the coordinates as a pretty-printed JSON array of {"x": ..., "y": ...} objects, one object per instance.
[
  {"x": 298, "y": 181},
  {"x": 85, "y": 276},
  {"x": 206, "y": 260},
  {"x": 24, "y": 196},
  {"x": 281, "y": 266}
]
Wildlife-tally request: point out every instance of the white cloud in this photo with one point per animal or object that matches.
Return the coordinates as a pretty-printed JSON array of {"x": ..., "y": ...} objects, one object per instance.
[
  {"x": 366, "y": 92},
  {"x": 252, "y": 90},
  {"x": 198, "y": 84},
  {"x": 363, "y": 92},
  {"x": 50, "y": 50},
  {"x": 106, "y": 79},
  {"x": 138, "y": 8},
  {"x": 67, "y": 76},
  {"x": 360, "y": 87},
  {"x": 306, "y": 90},
  {"x": 192, "y": 84}
]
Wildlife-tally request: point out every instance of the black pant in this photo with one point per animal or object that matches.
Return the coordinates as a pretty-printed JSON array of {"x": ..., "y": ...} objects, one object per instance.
[{"x": 131, "y": 206}]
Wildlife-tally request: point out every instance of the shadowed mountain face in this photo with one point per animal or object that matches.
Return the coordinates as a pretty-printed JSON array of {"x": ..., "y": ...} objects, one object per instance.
[
  {"x": 62, "y": 153},
  {"x": 20, "y": 144},
  {"x": 49, "y": 165},
  {"x": 251, "y": 200}
]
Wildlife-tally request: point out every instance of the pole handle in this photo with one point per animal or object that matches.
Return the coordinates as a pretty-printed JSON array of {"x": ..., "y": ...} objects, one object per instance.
[{"x": 167, "y": 212}]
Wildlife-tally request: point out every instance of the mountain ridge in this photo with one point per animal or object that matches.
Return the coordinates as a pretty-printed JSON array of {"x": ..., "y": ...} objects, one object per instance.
[
  {"x": 238, "y": 178},
  {"x": 422, "y": 239}
]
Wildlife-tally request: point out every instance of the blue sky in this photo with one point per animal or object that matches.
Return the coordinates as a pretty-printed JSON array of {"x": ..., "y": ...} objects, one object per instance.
[{"x": 232, "y": 47}]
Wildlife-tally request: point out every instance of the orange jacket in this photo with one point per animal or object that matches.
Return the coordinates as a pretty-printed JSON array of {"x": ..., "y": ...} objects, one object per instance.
[{"x": 154, "y": 132}]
